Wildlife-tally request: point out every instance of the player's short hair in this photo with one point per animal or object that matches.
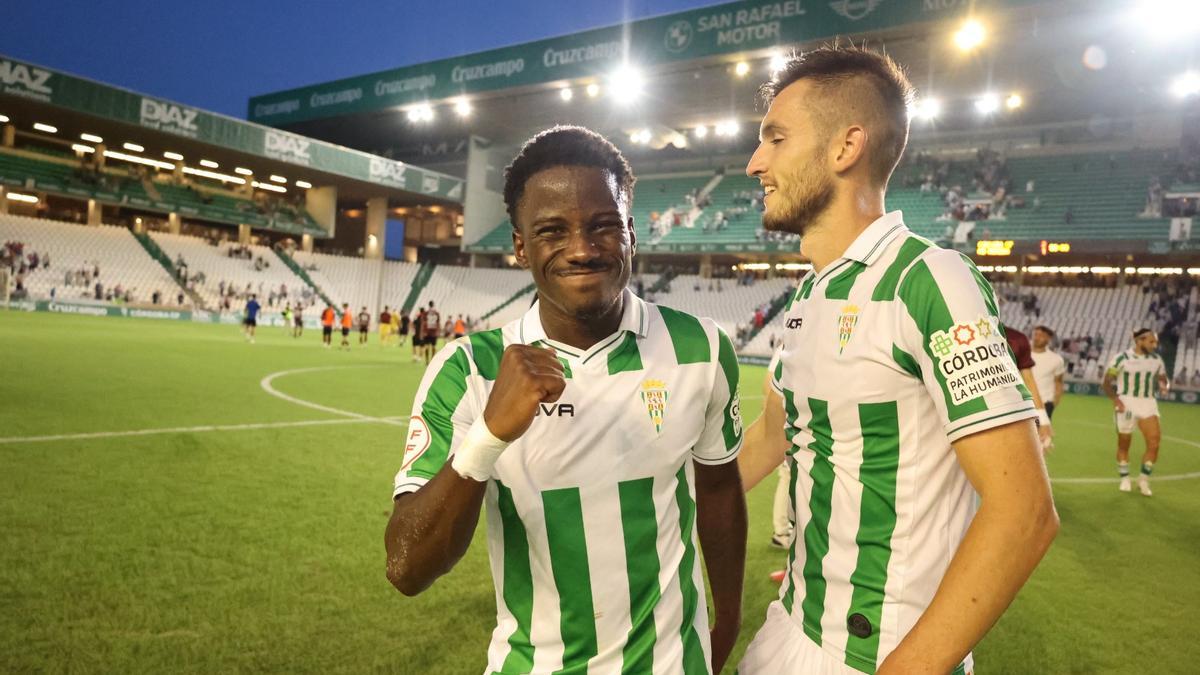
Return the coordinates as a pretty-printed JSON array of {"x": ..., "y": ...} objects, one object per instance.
[
  {"x": 854, "y": 73},
  {"x": 1140, "y": 332},
  {"x": 1045, "y": 329},
  {"x": 564, "y": 146}
]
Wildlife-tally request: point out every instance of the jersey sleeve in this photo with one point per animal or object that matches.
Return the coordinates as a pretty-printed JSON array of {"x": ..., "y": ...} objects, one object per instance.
[
  {"x": 775, "y": 371},
  {"x": 441, "y": 416},
  {"x": 1060, "y": 367},
  {"x": 1114, "y": 366},
  {"x": 952, "y": 330},
  {"x": 721, "y": 439}
]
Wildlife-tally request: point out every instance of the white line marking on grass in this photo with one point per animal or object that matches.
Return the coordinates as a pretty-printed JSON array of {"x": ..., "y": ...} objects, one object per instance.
[
  {"x": 1178, "y": 476},
  {"x": 266, "y": 386},
  {"x": 177, "y": 430}
]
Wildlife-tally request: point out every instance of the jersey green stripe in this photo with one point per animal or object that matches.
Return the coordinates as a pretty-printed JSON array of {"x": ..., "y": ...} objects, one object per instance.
[
  {"x": 441, "y": 400},
  {"x": 839, "y": 287},
  {"x": 730, "y": 428},
  {"x": 789, "y": 407},
  {"x": 693, "y": 652},
  {"x": 572, "y": 578},
  {"x": 885, "y": 290},
  {"x": 687, "y": 336},
  {"x": 880, "y": 423},
  {"x": 806, "y": 288},
  {"x": 923, "y": 299},
  {"x": 626, "y": 357},
  {"x": 906, "y": 361},
  {"x": 816, "y": 533},
  {"x": 1125, "y": 386},
  {"x": 787, "y": 598},
  {"x": 639, "y": 524},
  {"x": 518, "y": 584},
  {"x": 566, "y": 368},
  {"x": 487, "y": 347}
]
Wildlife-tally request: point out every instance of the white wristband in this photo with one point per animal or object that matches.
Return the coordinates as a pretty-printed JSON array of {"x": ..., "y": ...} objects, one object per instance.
[
  {"x": 1043, "y": 419},
  {"x": 477, "y": 454}
]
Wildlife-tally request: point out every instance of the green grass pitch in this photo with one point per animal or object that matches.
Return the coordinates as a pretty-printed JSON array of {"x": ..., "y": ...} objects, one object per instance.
[{"x": 249, "y": 540}]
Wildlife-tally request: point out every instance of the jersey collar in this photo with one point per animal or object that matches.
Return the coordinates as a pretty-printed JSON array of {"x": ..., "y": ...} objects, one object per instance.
[
  {"x": 634, "y": 319},
  {"x": 872, "y": 242}
]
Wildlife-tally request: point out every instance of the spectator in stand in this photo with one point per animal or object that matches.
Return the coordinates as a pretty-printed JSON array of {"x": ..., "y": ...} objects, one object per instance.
[{"x": 1196, "y": 379}]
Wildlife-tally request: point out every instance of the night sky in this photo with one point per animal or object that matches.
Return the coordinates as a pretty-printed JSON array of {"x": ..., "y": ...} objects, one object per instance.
[{"x": 216, "y": 54}]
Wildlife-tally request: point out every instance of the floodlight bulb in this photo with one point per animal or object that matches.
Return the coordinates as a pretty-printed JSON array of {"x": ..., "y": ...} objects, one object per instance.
[
  {"x": 1187, "y": 84},
  {"x": 566, "y": 94},
  {"x": 462, "y": 107},
  {"x": 1013, "y": 101},
  {"x": 593, "y": 90},
  {"x": 700, "y": 131},
  {"x": 987, "y": 104},
  {"x": 970, "y": 35},
  {"x": 741, "y": 69}
]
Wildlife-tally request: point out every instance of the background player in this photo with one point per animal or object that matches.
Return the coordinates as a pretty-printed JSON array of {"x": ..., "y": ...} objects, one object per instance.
[
  {"x": 250, "y": 322},
  {"x": 574, "y": 501},
  {"x": 298, "y": 328},
  {"x": 328, "y": 316},
  {"x": 432, "y": 328},
  {"x": 1049, "y": 368},
  {"x": 400, "y": 323},
  {"x": 385, "y": 326},
  {"x": 1130, "y": 382},
  {"x": 1018, "y": 342},
  {"x": 364, "y": 326},
  {"x": 347, "y": 324}
]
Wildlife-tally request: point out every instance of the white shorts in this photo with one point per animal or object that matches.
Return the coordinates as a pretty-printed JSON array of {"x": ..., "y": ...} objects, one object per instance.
[
  {"x": 1135, "y": 409},
  {"x": 781, "y": 648}
]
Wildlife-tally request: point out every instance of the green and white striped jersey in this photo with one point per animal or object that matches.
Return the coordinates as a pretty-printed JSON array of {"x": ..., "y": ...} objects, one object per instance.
[
  {"x": 591, "y": 519},
  {"x": 1136, "y": 375},
  {"x": 890, "y": 354}
]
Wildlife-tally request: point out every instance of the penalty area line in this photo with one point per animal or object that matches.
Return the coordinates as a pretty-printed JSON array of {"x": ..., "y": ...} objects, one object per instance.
[{"x": 179, "y": 430}]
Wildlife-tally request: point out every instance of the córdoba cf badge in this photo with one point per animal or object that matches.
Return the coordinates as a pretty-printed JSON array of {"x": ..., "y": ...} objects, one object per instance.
[
  {"x": 654, "y": 395},
  {"x": 846, "y": 322}
]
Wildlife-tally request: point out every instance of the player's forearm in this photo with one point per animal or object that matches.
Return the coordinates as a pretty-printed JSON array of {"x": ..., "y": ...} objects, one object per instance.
[
  {"x": 1109, "y": 389},
  {"x": 721, "y": 523},
  {"x": 1058, "y": 392},
  {"x": 1003, "y": 545},
  {"x": 760, "y": 454},
  {"x": 430, "y": 530}
]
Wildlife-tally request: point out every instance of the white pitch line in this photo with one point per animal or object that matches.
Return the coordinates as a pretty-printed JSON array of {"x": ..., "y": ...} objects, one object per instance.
[
  {"x": 176, "y": 430},
  {"x": 265, "y": 383}
]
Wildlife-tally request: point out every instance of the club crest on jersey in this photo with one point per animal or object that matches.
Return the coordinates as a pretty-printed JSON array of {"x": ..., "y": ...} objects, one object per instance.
[
  {"x": 654, "y": 395},
  {"x": 846, "y": 322}
]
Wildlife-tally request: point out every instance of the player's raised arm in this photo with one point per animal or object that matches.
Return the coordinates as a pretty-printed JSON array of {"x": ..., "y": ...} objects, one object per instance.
[{"x": 450, "y": 455}]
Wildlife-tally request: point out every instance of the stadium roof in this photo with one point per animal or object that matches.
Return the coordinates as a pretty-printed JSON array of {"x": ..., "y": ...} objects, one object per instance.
[{"x": 35, "y": 93}]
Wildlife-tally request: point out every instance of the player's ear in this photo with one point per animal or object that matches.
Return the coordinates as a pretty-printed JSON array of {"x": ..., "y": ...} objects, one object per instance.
[
  {"x": 519, "y": 247},
  {"x": 632, "y": 237}
]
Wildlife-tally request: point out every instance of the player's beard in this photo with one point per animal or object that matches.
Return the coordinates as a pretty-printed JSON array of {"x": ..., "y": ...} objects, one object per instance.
[{"x": 804, "y": 198}]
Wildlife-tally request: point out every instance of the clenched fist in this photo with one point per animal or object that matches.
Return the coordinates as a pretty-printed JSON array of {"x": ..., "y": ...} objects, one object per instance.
[{"x": 528, "y": 376}]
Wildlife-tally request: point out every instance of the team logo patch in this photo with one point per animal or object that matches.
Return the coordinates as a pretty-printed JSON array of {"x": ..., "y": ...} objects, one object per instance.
[
  {"x": 973, "y": 359},
  {"x": 735, "y": 413},
  {"x": 417, "y": 442},
  {"x": 846, "y": 322},
  {"x": 654, "y": 395}
]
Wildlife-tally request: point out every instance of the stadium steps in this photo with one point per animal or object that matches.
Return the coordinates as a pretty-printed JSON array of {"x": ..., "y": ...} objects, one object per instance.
[
  {"x": 515, "y": 296},
  {"x": 664, "y": 280},
  {"x": 303, "y": 274},
  {"x": 419, "y": 282},
  {"x": 777, "y": 304},
  {"x": 163, "y": 259}
]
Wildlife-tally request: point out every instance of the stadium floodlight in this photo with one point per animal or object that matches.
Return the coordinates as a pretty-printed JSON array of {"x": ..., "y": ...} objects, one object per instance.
[
  {"x": 1014, "y": 101},
  {"x": 278, "y": 179},
  {"x": 223, "y": 177},
  {"x": 133, "y": 147},
  {"x": 303, "y": 184},
  {"x": 242, "y": 171},
  {"x": 987, "y": 104},
  {"x": 3, "y": 119},
  {"x": 741, "y": 69},
  {"x": 1187, "y": 84},
  {"x": 422, "y": 112},
  {"x": 926, "y": 109},
  {"x": 91, "y": 138},
  {"x": 593, "y": 90},
  {"x": 566, "y": 94},
  {"x": 970, "y": 35},
  {"x": 1166, "y": 20},
  {"x": 268, "y": 186},
  {"x": 778, "y": 63},
  {"x": 700, "y": 131},
  {"x": 45, "y": 127},
  {"x": 20, "y": 197},
  {"x": 85, "y": 149},
  {"x": 173, "y": 155},
  {"x": 462, "y": 107},
  {"x": 727, "y": 128},
  {"x": 626, "y": 84},
  {"x": 134, "y": 159},
  {"x": 209, "y": 163}
]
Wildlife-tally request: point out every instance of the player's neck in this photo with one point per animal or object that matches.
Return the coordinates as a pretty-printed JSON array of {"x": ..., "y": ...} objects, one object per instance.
[
  {"x": 1039, "y": 350},
  {"x": 835, "y": 229},
  {"x": 576, "y": 332}
]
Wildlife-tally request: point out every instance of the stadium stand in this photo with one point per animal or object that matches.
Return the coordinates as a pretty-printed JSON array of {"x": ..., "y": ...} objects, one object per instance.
[
  {"x": 226, "y": 278},
  {"x": 474, "y": 291},
  {"x": 65, "y": 251},
  {"x": 356, "y": 281},
  {"x": 732, "y": 305}
]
